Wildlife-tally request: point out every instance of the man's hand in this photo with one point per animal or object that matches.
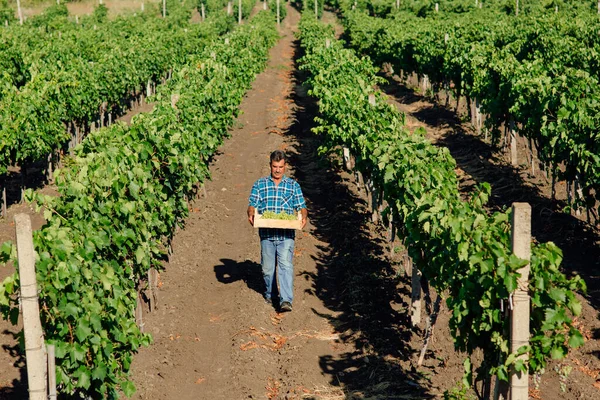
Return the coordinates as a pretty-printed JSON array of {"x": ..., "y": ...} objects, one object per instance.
[
  {"x": 304, "y": 213},
  {"x": 251, "y": 215}
]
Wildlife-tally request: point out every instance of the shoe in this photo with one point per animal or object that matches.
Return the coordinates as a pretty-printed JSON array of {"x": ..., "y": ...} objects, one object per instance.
[{"x": 286, "y": 306}]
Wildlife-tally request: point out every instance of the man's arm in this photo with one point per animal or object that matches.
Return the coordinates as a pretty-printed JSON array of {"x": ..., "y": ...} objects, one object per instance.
[
  {"x": 300, "y": 204},
  {"x": 253, "y": 202},
  {"x": 304, "y": 213},
  {"x": 251, "y": 215}
]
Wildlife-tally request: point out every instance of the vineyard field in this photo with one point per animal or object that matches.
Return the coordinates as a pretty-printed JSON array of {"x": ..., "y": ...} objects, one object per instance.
[{"x": 151, "y": 127}]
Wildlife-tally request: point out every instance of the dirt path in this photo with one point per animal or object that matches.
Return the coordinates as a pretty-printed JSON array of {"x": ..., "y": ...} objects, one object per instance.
[{"x": 214, "y": 337}]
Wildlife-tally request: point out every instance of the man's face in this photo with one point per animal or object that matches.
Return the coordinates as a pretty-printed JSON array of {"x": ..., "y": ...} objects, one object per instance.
[{"x": 277, "y": 169}]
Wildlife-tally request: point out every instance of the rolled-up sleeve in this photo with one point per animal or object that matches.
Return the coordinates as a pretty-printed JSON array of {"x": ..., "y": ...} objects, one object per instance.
[
  {"x": 299, "y": 202},
  {"x": 254, "y": 199}
]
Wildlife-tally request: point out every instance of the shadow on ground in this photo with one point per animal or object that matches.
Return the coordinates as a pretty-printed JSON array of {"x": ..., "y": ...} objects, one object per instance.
[
  {"x": 230, "y": 271},
  {"x": 17, "y": 389},
  {"x": 32, "y": 177},
  {"x": 354, "y": 279}
]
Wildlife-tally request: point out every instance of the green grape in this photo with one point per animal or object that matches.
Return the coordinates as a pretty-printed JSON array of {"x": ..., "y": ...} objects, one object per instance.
[{"x": 281, "y": 215}]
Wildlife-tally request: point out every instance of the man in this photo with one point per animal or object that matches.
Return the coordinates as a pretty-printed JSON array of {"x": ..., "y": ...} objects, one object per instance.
[{"x": 277, "y": 193}]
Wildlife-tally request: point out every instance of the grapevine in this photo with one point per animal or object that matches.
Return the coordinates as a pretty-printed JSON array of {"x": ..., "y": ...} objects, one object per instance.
[
  {"x": 537, "y": 73},
  {"x": 461, "y": 249},
  {"x": 121, "y": 197}
]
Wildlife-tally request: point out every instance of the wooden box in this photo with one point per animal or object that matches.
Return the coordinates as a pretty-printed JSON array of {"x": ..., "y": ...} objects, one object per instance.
[{"x": 260, "y": 222}]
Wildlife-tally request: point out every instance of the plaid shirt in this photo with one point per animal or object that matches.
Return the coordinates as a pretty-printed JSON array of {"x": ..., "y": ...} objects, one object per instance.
[{"x": 266, "y": 196}]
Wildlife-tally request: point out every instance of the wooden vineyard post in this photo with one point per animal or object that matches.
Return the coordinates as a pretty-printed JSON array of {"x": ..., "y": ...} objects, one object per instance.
[
  {"x": 20, "y": 12},
  {"x": 398, "y": 4},
  {"x": 415, "y": 299},
  {"x": 4, "y": 208},
  {"x": 153, "y": 288},
  {"x": 437, "y": 7},
  {"x": 23, "y": 175},
  {"x": 139, "y": 313},
  {"x": 532, "y": 157},
  {"x": 347, "y": 160},
  {"x": 239, "y": 12},
  {"x": 327, "y": 43},
  {"x": 517, "y": 8},
  {"x": 278, "y": 18},
  {"x": 478, "y": 119},
  {"x": 203, "y": 12},
  {"x": 392, "y": 234},
  {"x": 513, "y": 143},
  {"x": 373, "y": 195},
  {"x": 142, "y": 6},
  {"x": 264, "y": 4},
  {"x": 164, "y": 8},
  {"x": 174, "y": 100},
  {"x": 369, "y": 192},
  {"x": 372, "y": 100},
  {"x": 51, "y": 372},
  {"x": 519, "y": 316},
  {"x": 316, "y": 9},
  {"x": 50, "y": 172},
  {"x": 229, "y": 8},
  {"x": 35, "y": 352}
]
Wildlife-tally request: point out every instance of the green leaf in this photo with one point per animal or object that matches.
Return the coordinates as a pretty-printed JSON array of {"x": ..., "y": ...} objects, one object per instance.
[
  {"x": 99, "y": 372},
  {"x": 557, "y": 294},
  {"x": 83, "y": 330},
  {"x": 128, "y": 388},
  {"x": 71, "y": 310},
  {"x": 557, "y": 353},
  {"x": 84, "y": 378},
  {"x": 5, "y": 252},
  {"x": 575, "y": 306},
  {"x": 576, "y": 339},
  {"x": 139, "y": 255}
]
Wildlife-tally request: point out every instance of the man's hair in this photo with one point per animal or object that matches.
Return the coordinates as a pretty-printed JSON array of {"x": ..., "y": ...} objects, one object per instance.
[{"x": 278, "y": 155}]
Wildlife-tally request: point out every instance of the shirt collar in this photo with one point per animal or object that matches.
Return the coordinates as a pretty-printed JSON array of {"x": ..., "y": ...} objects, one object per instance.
[{"x": 283, "y": 178}]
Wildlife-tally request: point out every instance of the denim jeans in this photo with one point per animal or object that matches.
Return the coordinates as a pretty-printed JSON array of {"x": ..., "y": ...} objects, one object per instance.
[{"x": 281, "y": 251}]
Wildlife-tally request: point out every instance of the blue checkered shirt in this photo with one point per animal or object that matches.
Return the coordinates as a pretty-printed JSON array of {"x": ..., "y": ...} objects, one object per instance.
[{"x": 266, "y": 196}]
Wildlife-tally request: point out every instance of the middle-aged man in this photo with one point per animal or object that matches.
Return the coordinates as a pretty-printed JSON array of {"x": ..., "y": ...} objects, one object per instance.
[{"x": 277, "y": 193}]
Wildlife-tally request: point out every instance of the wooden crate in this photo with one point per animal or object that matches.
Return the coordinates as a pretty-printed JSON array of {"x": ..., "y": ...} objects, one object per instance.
[{"x": 260, "y": 222}]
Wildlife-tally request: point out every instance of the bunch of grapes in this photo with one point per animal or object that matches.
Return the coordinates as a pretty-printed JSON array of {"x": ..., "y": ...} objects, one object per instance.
[{"x": 281, "y": 215}]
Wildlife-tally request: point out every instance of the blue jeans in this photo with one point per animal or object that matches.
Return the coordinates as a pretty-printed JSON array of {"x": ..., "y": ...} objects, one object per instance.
[{"x": 281, "y": 251}]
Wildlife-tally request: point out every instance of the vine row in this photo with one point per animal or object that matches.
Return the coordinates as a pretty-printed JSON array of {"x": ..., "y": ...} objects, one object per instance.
[
  {"x": 122, "y": 195},
  {"x": 463, "y": 251}
]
